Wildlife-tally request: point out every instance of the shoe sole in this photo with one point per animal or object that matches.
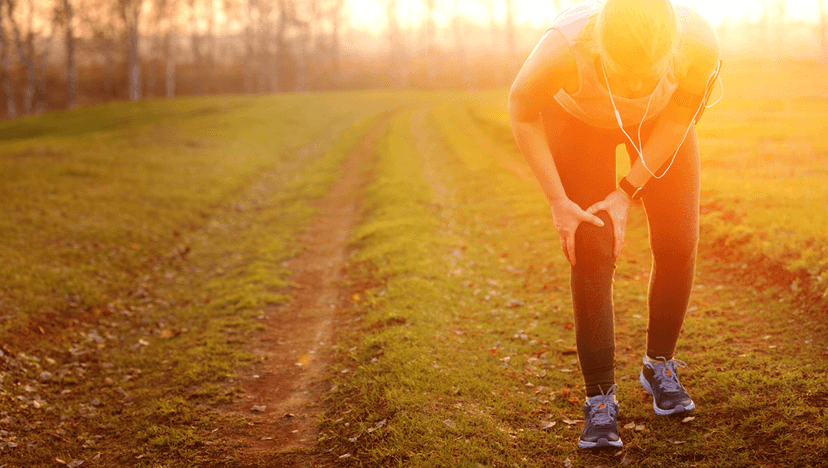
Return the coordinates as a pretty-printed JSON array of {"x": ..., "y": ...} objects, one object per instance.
[
  {"x": 601, "y": 443},
  {"x": 662, "y": 412}
]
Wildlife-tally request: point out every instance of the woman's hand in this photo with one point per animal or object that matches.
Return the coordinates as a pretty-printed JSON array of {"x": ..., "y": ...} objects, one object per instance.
[
  {"x": 567, "y": 215},
  {"x": 617, "y": 205}
]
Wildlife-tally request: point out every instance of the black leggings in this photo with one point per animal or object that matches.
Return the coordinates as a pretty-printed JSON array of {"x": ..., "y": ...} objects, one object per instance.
[{"x": 585, "y": 159}]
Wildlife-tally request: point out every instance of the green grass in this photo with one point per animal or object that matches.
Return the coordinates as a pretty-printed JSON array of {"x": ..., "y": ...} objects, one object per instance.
[
  {"x": 136, "y": 263},
  {"x": 143, "y": 241},
  {"x": 466, "y": 348}
]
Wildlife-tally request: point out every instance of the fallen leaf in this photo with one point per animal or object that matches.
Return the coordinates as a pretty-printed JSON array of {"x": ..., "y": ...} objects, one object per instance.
[
  {"x": 688, "y": 419},
  {"x": 166, "y": 334},
  {"x": 547, "y": 424},
  {"x": 630, "y": 425},
  {"x": 60, "y": 461},
  {"x": 639, "y": 428},
  {"x": 267, "y": 438},
  {"x": 143, "y": 342},
  {"x": 568, "y": 463},
  {"x": 75, "y": 463},
  {"x": 626, "y": 461},
  {"x": 259, "y": 408},
  {"x": 571, "y": 422},
  {"x": 347, "y": 455},
  {"x": 450, "y": 423}
]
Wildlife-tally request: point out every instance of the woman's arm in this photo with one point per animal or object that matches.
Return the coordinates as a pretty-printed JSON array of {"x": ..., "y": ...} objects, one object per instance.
[
  {"x": 543, "y": 74},
  {"x": 702, "y": 59},
  {"x": 548, "y": 69},
  {"x": 672, "y": 125}
]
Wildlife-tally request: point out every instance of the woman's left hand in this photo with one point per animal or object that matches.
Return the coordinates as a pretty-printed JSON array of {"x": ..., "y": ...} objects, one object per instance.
[{"x": 617, "y": 205}]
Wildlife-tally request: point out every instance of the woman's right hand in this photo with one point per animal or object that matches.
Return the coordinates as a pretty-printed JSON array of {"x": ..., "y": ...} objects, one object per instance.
[{"x": 567, "y": 215}]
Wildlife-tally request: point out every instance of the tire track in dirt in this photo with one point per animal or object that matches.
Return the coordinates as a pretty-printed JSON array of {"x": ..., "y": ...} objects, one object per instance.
[{"x": 282, "y": 395}]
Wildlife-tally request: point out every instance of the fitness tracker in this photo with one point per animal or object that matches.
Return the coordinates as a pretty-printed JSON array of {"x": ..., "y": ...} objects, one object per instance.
[{"x": 633, "y": 192}]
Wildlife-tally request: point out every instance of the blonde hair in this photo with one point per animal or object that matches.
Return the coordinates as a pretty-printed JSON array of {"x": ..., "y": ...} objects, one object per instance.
[{"x": 637, "y": 37}]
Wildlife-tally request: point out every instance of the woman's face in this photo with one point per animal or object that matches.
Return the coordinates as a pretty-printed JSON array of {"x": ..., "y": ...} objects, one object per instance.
[{"x": 629, "y": 84}]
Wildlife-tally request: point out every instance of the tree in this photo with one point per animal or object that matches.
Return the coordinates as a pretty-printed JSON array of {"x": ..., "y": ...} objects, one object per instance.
[
  {"x": 510, "y": 38},
  {"x": 398, "y": 59},
  {"x": 25, "y": 51},
  {"x": 11, "y": 101},
  {"x": 823, "y": 31},
  {"x": 337, "y": 13},
  {"x": 130, "y": 11},
  {"x": 495, "y": 35},
  {"x": 249, "y": 46},
  {"x": 458, "y": 28},
  {"x": 71, "y": 73},
  {"x": 430, "y": 50}
]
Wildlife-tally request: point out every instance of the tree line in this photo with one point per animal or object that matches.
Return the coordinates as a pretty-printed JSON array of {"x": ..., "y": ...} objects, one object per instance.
[{"x": 64, "y": 53}]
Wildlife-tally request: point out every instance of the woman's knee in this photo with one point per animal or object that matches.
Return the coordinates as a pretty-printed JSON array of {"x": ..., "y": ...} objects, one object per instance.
[
  {"x": 593, "y": 244},
  {"x": 678, "y": 251}
]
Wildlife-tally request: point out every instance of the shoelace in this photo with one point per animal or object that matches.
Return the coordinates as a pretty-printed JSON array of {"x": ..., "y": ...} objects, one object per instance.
[
  {"x": 666, "y": 376},
  {"x": 606, "y": 403}
]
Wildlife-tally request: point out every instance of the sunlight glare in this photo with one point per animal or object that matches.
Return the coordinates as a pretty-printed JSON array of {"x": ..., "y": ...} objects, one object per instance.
[{"x": 370, "y": 15}]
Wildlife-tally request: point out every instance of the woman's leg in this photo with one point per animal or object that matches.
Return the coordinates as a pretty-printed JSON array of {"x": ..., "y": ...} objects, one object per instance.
[
  {"x": 672, "y": 205},
  {"x": 585, "y": 159}
]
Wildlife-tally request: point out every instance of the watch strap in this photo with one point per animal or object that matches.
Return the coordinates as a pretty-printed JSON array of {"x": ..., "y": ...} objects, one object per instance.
[{"x": 632, "y": 191}]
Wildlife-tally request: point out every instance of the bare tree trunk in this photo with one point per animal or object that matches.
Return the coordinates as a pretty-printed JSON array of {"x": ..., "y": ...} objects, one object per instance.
[
  {"x": 431, "y": 56},
  {"x": 109, "y": 70},
  {"x": 152, "y": 65},
  {"x": 823, "y": 31},
  {"x": 496, "y": 44},
  {"x": 286, "y": 17},
  {"x": 195, "y": 44},
  {"x": 305, "y": 43},
  {"x": 336, "y": 19},
  {"x": 11, "y": 102},
  {"x": 763, "y": 25},
  {"x": 398, "y": 56},
  {"x": 249, "y": 62},
  {"x": 134, "y": 60},
  {"x": 71, "y": 74},
  {"x": 211, "y": 45},
  {"x": 170, "y": 62},
  {"x": 264, "y": 54},
  {"x": 459, "y": 33},
  {"x": 510, "y": 38},
  {"x": 26, "y": 59},
  {"x": 40, "y": 104},
  {"x": 130, "y": 12}
]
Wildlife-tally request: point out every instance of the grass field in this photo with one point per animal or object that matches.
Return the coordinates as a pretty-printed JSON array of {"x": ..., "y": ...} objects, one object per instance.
[{"x": 142, "y": 242}]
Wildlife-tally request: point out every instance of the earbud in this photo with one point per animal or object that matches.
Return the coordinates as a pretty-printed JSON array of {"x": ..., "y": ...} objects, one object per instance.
[{"x": 640, "y": 148}]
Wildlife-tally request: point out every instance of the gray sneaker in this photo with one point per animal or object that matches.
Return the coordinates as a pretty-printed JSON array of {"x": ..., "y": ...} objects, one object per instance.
[
  {"x": 661, "y": 380},
  {"x": 601, "y": 421}
]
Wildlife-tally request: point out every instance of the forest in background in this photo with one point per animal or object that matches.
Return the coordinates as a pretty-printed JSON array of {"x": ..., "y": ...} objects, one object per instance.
[{"x": 59, "y": 54}]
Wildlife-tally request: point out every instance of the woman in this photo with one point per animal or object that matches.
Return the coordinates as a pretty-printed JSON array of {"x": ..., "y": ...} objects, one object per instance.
[{"x": 637, "y": 72}]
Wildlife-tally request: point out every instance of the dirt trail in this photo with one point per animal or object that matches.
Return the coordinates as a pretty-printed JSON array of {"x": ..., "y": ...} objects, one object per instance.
[{"x": 282, "y": 395}]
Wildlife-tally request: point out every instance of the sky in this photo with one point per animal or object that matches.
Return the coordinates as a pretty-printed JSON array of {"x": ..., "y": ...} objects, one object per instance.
[{"x": 370, "y": 14}]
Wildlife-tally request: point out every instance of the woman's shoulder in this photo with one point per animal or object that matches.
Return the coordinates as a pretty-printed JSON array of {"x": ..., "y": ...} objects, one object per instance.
[
  {"x": 701, "y": 42},
  {"x": 549, "y": 68}
]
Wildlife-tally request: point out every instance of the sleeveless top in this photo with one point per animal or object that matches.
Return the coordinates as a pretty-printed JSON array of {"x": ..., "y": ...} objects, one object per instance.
[{"x": 591, "y": 103}]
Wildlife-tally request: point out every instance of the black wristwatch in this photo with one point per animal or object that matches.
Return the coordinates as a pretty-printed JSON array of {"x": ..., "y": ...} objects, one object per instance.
[{"x": 633, "y": 192}]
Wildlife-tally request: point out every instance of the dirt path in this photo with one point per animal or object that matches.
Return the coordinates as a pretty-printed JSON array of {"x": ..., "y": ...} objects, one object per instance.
[{"x": 282, "y": 395}]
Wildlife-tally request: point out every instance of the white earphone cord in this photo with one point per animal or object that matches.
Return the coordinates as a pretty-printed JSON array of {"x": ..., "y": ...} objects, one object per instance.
[{"x": 640, "y": 148}]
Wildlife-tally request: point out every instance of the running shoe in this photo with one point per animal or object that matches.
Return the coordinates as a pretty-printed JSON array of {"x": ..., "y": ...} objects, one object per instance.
[
  {"x": 601, "y": 421},
  {"x": 660, "y": 379}
]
